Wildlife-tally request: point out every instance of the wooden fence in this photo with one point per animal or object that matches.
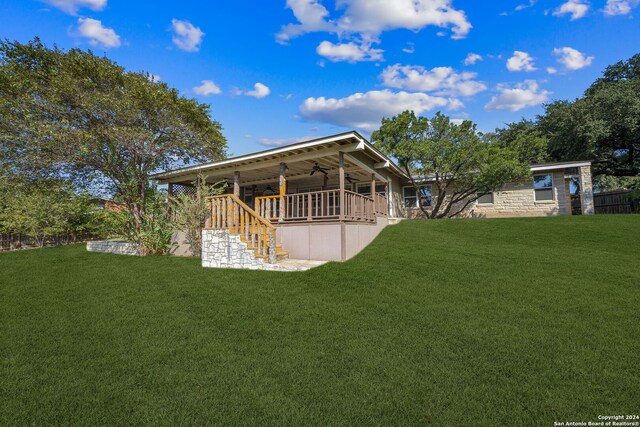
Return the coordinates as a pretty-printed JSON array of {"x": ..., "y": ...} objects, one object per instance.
[
  {"x": 608, "y": 202},
  {"x": 14, "y": 241}
]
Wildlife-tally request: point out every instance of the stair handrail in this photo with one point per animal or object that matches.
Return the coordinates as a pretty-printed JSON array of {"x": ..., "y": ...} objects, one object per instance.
[{"x": 270, "y": 229}]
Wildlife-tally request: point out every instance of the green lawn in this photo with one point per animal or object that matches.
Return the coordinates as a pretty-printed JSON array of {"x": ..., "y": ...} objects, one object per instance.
[{"x": 452, "y": 322}]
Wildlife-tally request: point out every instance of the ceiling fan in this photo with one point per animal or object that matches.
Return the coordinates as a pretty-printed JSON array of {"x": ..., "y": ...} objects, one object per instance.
[
  {"x": 351, "y": 180},
  {"x": 318, "y": 168}
]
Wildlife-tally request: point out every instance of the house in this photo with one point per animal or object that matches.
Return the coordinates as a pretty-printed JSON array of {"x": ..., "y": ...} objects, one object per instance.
[{"x": 328, "y": 198}]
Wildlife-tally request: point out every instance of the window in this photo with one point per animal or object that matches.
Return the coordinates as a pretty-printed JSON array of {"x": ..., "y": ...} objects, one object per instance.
[
  {"x": 543, "y": 187},
  {"x": 485, "y": 199},
  {"x": 365, "y": 189},
  {"x": 411, "y": 199}
]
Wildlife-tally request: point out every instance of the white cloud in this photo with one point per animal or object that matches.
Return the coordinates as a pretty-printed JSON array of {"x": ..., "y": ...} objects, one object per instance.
[
  {"x": 472, "y": 58},
  {"x": 279, "y": 142},
  {"x": 259, "y": 91},
  {"x": 369, "y": 18},
  {"x": 576, "y": 8},
  {"x": 520, "y": 61},
  {"x": 72, "y": 6},
  {"x": 97, "y": 34},
  {"x": 523, "y": 95},
  {"x": 153, "y": 78},
  {"x": 552, "y": 70},
  {"x": 366, "y": 110},
  {"x": 186, "y": 36},
  {"x": 526, "y": 5},
  {"x": 441, "y": 80},
  {"x": 409, "y": 49},
  {"x": 350, "y": 52},
  {"x": 620, "y": 7},
  {"x": 572, "y": 59},
  {"x": 207, "y": 88}
]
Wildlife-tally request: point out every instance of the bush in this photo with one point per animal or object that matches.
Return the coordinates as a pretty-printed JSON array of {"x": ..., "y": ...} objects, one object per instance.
[{"x": 153, "y": 237}]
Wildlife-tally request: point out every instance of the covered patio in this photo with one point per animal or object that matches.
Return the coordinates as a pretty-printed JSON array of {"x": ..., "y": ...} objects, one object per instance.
[{"x": 324, "y": 180}]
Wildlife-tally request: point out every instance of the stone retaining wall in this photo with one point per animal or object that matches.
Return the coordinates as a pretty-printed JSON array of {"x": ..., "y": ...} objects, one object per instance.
[{"x": 112, "y": 246}]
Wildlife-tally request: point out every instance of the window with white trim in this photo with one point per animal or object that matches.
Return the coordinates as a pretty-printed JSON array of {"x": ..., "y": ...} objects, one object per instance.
[
  {"x": 543, "y": 187},
  {"x": 485, "y": 199},
  {"x": 411, "y": 198}
]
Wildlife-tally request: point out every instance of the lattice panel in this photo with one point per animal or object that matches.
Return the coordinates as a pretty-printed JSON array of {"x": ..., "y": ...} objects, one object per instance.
[{"x": 178, "y": 189}]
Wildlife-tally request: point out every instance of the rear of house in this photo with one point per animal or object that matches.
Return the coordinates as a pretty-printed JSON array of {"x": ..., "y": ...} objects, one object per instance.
[
  {"x": 546, "y": 193},
  {"x": 328, "y": 198}
]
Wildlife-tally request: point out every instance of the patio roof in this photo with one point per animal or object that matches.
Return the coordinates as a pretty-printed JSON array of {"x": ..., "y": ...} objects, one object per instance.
[{"x": 362, "y": 160}]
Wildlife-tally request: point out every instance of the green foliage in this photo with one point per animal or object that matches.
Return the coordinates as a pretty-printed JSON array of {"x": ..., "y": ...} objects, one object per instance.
[
  {"x": 73, "y": 111},
  {"x": 603, "y": 126},
  {"x": 524, "y": 139},
  {"x": 153, "y": 235},
  {"x": 457, "y": 158},
  {"x": 48, "y": 208},
  {"x": 189, "y": 212}
]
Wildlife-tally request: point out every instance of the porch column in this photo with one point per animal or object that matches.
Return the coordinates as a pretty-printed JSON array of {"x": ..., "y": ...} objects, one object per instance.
[
  {"x": 283, "y": 190},
  {"x": 373, "y": 186},
  {"x": 343, "y": 232},
  {"x": 236, "y": 183},
  {"x": 341, "y": 175},
  {"x": 586, "y": 191},
  {"x": 373, "y": 194}
]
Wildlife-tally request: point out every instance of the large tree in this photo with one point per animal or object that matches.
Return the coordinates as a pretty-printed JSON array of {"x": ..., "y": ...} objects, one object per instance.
[
  {"x": 460, "y": 162},
  {"x": 75, "y": 112},
  {"x": 603, "y": 125}
]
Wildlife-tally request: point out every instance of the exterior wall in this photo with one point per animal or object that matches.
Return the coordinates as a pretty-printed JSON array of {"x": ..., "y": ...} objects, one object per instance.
[
  {"x": 515, "y": 199},
  {"x": 323, "y": 242},
  {"x": 395, "y": 197},
  {"x": 112, "y": 247},
  {"x": 311, "y": 241}
]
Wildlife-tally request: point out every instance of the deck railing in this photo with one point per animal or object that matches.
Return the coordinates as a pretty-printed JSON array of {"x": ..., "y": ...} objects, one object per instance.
[
  {"x": 317, "y": 205},
  {"x": 269, "y": 206},
  {"x": 228, "y": 212},
  {"x": 381, "y": 204},
  {"x": 323, "y": 205},
  {"x": 358, "y": 207}
]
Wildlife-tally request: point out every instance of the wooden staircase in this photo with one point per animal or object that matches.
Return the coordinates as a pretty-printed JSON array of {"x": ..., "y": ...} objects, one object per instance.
[{"x": 228, "y": 212}]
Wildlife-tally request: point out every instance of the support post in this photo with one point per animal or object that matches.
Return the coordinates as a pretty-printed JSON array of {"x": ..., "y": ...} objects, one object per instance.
[
  {"x": 341, "y": 175},
  {"x": 236, "y": 183},
  {"x": 373, "y": 186},
  {"x": 283, "y": 191},
  {"x": 343, "y": 234},
  {"x": 586, "y": 191}
]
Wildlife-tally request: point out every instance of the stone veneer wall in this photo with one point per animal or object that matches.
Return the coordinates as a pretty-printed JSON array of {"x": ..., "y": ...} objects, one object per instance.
[
  {"x": 516, "y": 199},
  {"x": 112, "y": 247},
  {"x": 586, "y": 191},
  {"x": 221, "y": 249}
]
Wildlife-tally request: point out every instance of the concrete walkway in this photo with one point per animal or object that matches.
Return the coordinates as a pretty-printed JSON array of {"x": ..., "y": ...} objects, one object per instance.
[{"x": 297, "y": 264}]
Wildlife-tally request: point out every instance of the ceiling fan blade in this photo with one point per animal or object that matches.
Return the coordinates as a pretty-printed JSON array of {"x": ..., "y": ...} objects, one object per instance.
[{"x": 312, "y": 172}]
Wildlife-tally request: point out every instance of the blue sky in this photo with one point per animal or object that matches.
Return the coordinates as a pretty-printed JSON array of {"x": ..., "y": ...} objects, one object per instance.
[{"x": 280, "y": 71}]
